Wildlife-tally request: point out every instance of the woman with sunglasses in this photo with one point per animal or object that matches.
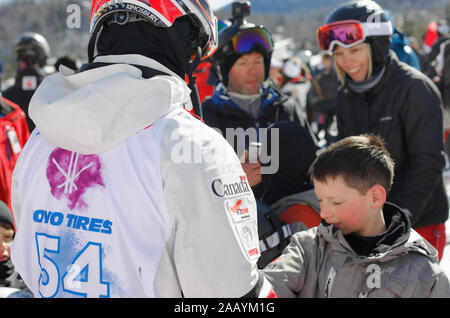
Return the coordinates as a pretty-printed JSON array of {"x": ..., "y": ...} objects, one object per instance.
[{"x": 383, "y": 96}]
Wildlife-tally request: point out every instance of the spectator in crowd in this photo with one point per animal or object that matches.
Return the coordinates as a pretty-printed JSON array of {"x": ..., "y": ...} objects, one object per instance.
[
  {"x": 443, "y": 35},
  {"x": 379, "y": 95},
  {"x": 322, "y": 97},
  {"x": 296, "y": 81},
  {"x": 31, "y": 52},
  {"x": 275, "y": 71},
  {"x": 13, "y": 136},
  {"x": 439, "y": 58},
  {"x": 423, "y": 57},
  {"x": 8, "y": 275},
  {"x": 244, "y": 100},
  {"x": 400, "y": 45},
  {"x": 440, "y": 73},
  {"x": 365, "y": 246}
]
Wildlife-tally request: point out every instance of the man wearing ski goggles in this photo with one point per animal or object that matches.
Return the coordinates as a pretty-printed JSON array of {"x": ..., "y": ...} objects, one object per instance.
[
  {"x": 243, "y": 62},
  {"x": 245, "y": 99},
  {"x": 349, "y": 33},
  {"x": 238, "y": 41},
  {"x": 251, "y": 47},
  {"x": 249, "y": 39}
]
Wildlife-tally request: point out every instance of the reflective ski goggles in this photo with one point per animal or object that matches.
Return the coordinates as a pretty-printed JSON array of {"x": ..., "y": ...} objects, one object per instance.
[
  {"x": 349, "y": 33},
  {"x": 245, "y": 41}
]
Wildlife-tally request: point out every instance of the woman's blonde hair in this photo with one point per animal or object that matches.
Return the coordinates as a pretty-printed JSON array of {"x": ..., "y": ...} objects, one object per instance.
[{"x": 340, "y": 72}]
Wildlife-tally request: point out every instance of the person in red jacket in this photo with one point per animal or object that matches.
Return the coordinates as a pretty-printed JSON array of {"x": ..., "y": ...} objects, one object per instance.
[{"x": 14, "y": 134}]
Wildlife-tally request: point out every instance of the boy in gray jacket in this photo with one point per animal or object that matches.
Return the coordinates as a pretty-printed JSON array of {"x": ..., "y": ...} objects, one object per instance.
[{"x": 364, "y": 247}]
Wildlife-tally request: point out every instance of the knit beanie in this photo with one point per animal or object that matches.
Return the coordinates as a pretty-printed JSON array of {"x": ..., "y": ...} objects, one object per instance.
[
  {"x": 5, "y": 214},
  {"x": 226, "y": 67}
]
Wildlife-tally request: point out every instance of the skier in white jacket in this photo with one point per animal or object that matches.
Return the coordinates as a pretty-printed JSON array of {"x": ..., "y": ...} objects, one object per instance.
[{"x": 120, "y": 192}]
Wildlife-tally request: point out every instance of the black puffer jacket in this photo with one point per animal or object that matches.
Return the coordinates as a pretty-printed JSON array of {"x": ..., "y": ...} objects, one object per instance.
[
  {"x": 405, "y": 109},
  {"x": 445, "y": 79},
  {"x": 21, "y": 94},
  {"x": 219, "y": 111},
  {"x": 297, "y": 144},
  {"x": 9, "y": 276}
]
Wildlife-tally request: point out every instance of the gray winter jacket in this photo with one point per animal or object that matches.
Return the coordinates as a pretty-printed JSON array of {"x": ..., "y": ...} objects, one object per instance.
[{"x": 320, "y": 263}]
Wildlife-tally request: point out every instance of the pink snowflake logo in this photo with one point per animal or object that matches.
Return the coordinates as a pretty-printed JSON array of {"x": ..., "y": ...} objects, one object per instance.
[{"x": 70, "y": 175}]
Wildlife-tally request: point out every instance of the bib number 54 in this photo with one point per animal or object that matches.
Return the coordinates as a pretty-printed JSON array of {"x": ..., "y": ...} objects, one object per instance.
[{"x": 83, "y": 276}]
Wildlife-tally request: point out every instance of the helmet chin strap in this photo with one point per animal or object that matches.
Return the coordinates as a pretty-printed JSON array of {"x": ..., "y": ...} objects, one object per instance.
[
  {"x": 195, "y": 97},
  {"x": 91, "y": 45},
  {"x": 193, "y": 63}
]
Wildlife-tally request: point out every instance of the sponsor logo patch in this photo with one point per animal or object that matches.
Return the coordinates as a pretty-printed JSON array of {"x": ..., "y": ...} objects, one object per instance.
[
  {"x": 70, "y": 175},
  {"x": 248, "y": 234},
  {"x": 229, "y": 186},
  {"x": 239, "y": 208},
  {"x": 29, "y": 83}
]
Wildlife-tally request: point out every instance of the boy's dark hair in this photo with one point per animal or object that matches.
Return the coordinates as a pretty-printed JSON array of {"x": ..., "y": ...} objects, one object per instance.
[
  {"x": 6, "y": 225},
  {"x": 362, "y": 161}
]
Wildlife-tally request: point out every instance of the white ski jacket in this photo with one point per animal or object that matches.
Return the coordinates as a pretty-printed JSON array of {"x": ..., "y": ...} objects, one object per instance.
[{"x": 120, "y": 192}]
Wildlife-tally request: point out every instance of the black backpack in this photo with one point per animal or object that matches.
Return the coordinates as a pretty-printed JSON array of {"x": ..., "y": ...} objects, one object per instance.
[
  {"x": 275, "y": 227},
  {"x": 274, "y": 235}
]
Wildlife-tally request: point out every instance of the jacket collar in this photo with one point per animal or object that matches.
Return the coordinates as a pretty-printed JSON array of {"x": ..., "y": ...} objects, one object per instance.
[
  {"x": 224, "y": 103},
  {"x": 135, "y": 59},
  {"x": 385, "y": 78},
  {"x": 406, "y": 241}
]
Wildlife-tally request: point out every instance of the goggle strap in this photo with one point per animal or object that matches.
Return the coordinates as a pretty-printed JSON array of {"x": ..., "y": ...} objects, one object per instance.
[
  {"x": 368, "y": 29},
  {"x": 377, "y": 28},
  {"x": 337, "y": 42}
]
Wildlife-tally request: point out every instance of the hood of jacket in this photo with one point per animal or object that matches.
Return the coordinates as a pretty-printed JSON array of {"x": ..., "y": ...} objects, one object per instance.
[
  {"x": 92, "y": 111},
  {"x": 398, "y": 238}
]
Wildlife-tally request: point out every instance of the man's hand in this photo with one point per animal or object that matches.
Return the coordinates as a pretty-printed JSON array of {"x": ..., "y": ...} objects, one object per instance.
[{"x": 252, "y": 170}]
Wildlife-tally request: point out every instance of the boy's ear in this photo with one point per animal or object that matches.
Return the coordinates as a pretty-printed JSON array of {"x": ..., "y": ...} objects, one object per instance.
[{"x": 378, "y": 195}]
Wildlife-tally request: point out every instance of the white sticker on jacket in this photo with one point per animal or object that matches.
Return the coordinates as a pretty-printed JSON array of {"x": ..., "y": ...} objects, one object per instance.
[
  {"x": 248, "y": 235},
  {"x": 239, "y": 208},
  {"x": 29, "y": 83}
]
